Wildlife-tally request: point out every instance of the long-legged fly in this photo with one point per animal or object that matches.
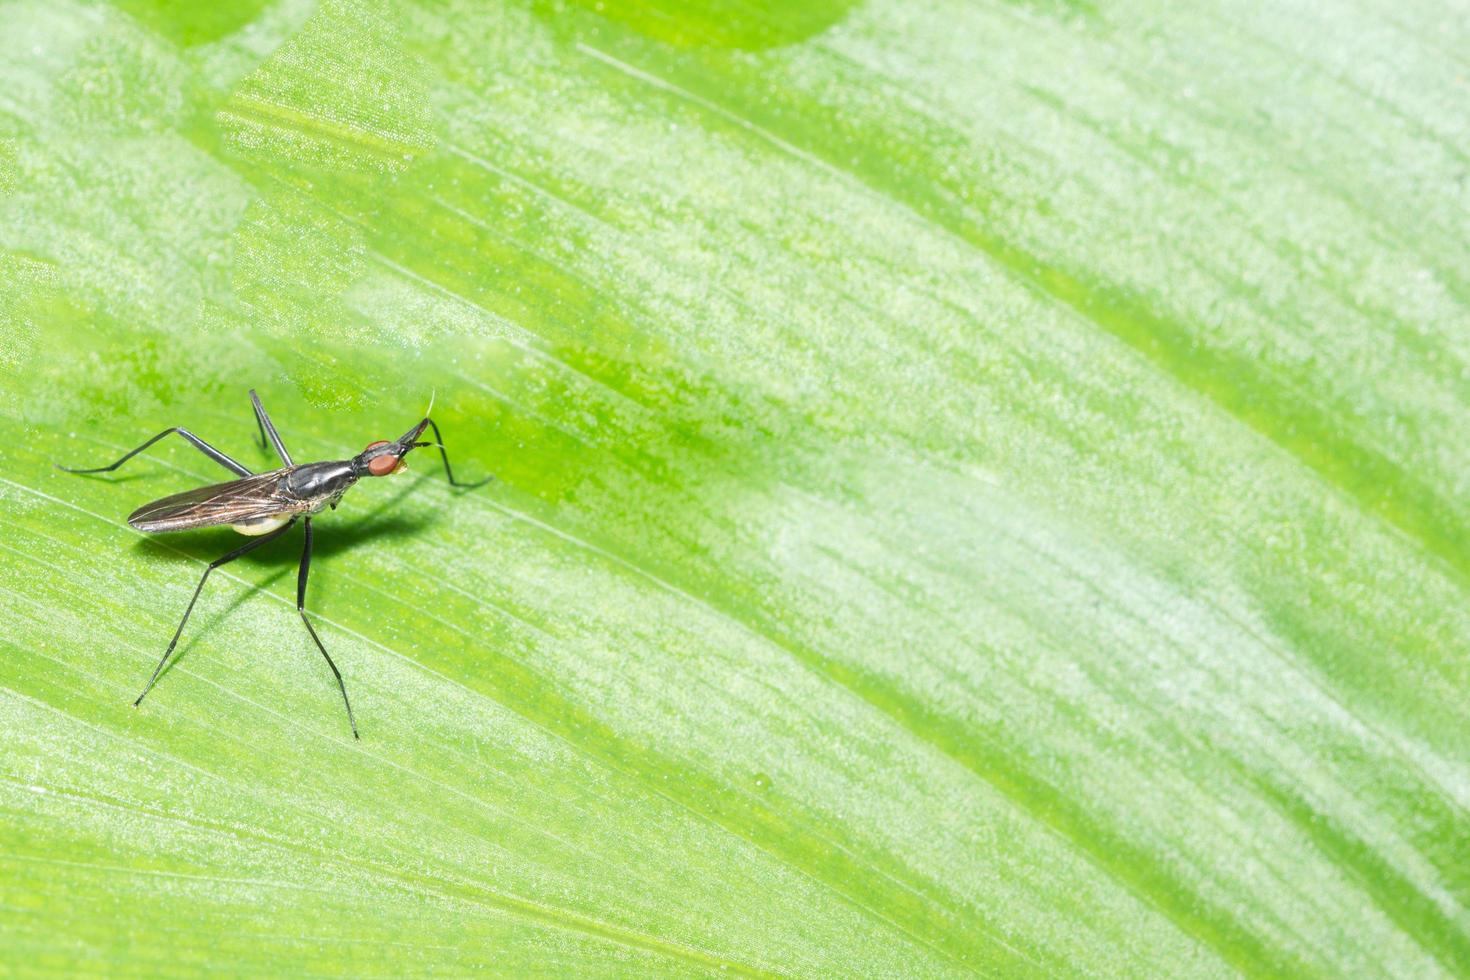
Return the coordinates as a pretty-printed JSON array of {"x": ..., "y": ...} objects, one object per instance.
[{"x": 266, "y": 505}]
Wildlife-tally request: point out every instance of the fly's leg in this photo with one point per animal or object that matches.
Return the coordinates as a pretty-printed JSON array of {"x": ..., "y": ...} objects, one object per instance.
[
  {"x": 449, "y": 473},
  {"x": 243, "y": 549},
  {"x": 267, "y": 428},
  {"x": 262, "y": 442},
  {"x": 301, "y": 608},
  {"x": 191, "y": 438}
]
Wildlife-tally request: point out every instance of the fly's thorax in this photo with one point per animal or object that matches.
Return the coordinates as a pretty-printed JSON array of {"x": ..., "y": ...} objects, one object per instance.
[{"x": 319, "y": 485}]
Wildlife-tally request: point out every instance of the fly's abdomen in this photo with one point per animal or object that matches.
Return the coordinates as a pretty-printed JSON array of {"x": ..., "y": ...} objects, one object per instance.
[
  {"x": 261, "y": 525},
  {"x": 252, "y": 502}
]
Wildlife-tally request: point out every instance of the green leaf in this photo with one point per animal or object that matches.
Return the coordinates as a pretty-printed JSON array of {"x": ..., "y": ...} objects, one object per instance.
[{"x": 981, "y": 488}]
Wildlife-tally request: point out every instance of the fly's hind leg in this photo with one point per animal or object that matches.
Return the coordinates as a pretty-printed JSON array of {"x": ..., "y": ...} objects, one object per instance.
[{"x": 219, "y": 457}]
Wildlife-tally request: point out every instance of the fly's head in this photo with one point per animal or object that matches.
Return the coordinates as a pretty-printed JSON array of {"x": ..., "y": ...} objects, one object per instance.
[{"x": 384, "y": 458}]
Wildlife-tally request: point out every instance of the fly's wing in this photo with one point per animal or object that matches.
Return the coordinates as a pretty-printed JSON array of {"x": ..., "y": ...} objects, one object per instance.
[{"x": 237, "y": 502}]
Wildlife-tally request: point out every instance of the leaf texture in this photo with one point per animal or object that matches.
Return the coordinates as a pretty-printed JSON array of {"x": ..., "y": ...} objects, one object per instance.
[{"x": 980, "y": 488}]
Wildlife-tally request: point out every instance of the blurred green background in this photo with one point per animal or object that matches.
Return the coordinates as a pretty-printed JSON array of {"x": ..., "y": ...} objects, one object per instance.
[{"x": 982, "y": 487}]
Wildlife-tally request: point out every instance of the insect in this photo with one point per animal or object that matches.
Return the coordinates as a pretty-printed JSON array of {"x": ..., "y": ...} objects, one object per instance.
[{"x": 267, "y": 505}]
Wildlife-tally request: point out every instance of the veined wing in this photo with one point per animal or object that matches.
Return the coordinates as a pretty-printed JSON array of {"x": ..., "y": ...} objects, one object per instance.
[{"x": 243, "y": 501}]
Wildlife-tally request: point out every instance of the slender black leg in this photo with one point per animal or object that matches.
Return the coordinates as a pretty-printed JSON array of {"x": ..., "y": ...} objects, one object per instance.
[
  {"x": 449, "y": 473},
  {"x": 193, "y": 440},
  {"x": 243, "y": 549},
  {"x": 261, "y": 441},
  {"x": 268, "y": 428},
  {"x": 301, "y": 608}
]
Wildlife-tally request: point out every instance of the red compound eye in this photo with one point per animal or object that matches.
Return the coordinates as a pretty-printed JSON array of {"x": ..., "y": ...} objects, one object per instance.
[{"x": 381, "y": 465}]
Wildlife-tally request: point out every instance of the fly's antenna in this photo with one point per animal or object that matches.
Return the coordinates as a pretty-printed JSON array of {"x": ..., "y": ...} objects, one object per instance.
[{"x": 429, "y": 412}]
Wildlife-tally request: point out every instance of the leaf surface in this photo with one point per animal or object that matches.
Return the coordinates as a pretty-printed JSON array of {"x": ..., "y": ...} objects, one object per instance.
[{"x": 979, "y": 487}]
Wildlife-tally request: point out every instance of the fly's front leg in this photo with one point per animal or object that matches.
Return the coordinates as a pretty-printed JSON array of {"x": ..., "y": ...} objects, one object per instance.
[
  {"x": 301, "y": 608},
  {"x": 444, "y": 455},
  {"x": 193, "y": 440}
]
